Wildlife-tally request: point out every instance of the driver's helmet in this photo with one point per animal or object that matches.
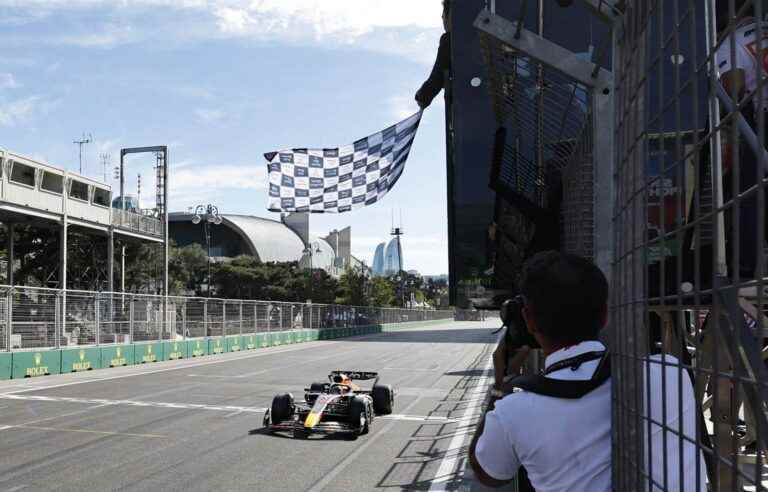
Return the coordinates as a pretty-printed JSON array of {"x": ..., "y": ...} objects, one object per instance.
[{"x": 341, "y": 379}]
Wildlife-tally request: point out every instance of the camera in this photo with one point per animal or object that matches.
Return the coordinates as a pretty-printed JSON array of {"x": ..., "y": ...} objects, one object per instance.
[{"x": 517, "y": 333}]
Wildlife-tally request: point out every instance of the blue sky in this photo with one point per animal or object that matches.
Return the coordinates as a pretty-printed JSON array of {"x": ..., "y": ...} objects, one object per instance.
[{"x": 221, "y": 82}]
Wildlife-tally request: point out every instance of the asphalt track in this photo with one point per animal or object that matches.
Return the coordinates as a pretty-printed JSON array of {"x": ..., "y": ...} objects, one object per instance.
[{"x": 196, "y": 424}]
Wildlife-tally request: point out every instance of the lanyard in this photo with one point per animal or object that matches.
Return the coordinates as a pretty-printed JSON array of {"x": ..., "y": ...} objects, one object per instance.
[{"x": 575, "y": 362}]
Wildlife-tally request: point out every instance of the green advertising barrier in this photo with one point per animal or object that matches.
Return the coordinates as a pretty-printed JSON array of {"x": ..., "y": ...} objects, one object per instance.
[
  {"x": 289, "y": 337},
  {"x": 146, "y": 353},
  {"x": 197, "y": 348},
  {"x": 175, "y": 350},
  {"x": 33, "y": 364},
  {"x": 275, "y": 339},
  {"x": 217, "y": 345},
  {"x": 234, "y": 343},
  {"x": 77, "y": 360},
  {"x": 262, "y": 340},
  {"x": 6, "y": 360},
  {"x": 251, "y": 342},
  {"x": 300, "y": 336},
  {"x": 117, "y": 356}
]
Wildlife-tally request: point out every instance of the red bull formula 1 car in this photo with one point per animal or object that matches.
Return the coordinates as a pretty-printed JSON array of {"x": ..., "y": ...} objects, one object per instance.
[{"x": 338, "y": 406}]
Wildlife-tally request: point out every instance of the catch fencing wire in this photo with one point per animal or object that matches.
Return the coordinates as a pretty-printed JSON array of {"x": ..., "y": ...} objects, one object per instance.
[
  {"x": 688, "y": 303},
  {"x": 33, "y": 318}
]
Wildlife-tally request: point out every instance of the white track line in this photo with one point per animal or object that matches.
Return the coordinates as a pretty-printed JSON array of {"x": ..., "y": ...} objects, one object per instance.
[
  {"x": 133, "y": 403},
  {"x": 419, "y": 418},
  {"x": 447, "y": 471}
]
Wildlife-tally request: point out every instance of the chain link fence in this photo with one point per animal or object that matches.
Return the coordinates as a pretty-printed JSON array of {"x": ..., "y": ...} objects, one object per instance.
[
  {"x": 689, "y": 297},
  {"x": 35, "y": 318}
]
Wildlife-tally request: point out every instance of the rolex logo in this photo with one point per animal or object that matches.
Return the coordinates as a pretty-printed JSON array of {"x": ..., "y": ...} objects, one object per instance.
[
  {"x": 149, "y": 349},
  {"x": 119, "y": 350},
  {"x": 38, "y": 358},
  {"x": 198, "y": 344},
  {"x": 175, "y": 346},
  {"x": 82, "y": 355}
]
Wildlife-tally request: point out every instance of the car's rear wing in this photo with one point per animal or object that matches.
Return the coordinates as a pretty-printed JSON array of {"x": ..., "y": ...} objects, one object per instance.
[{"x": 357, "y": 375}]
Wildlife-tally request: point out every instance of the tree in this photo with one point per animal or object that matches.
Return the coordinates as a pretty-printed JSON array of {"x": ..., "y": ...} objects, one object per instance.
[
  {"x": 382, "y": 292},
  {"x": 352, "y": 288},
  {"x": 187, "y": 267}
]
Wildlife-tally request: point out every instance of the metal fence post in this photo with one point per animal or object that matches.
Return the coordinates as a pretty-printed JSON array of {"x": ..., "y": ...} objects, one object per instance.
[
  {"x": 131, "y": 318},
  {"x": 96, "y": 317},
  {"x": 9, "y": 317},
  {"x": 224, "y": 318},
  {"x": 205, "y": 318},
  {"x": 241, "y": 317},
  {"x": 184, "y": 330},
  {"x": 57, "y": 320}
]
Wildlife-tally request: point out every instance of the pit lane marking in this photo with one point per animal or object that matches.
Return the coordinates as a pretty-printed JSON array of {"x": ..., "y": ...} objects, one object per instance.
[{"x": 133, "y": 403}]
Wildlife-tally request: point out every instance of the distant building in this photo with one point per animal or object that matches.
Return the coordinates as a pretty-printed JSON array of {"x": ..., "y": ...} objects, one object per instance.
[
  {"x": 341, "y": 242},
  {"x": 267, "y": 240},
  {"x": 378, "y": 260},
  {"x": 393, "y": 257}
]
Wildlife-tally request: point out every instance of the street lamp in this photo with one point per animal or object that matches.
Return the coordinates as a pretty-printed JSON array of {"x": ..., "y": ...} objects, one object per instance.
[
  {"x": 311, "y": 250},
  {"x": 208, "y": 215}
]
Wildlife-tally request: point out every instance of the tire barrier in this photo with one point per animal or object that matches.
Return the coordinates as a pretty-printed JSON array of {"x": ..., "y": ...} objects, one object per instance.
[{"x": 27, "y": 364}]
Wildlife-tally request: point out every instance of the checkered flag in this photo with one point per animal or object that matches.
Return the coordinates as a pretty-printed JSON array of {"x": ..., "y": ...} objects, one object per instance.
[{"x": 341, "y": 179}]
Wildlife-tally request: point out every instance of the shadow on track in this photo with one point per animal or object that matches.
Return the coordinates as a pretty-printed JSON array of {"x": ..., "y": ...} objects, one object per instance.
[
  {"x": 418, "y": 462},
  {"x": 263, "y": 431}
]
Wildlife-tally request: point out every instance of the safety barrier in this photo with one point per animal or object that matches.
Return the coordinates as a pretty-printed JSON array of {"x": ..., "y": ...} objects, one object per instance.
[
  {"x": 37, "y": 318},
  {"x": 25, "y": 364}
]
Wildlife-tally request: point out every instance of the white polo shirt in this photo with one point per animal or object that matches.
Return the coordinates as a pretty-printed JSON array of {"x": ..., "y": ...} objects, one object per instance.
[{"x": 565, "y": 444}]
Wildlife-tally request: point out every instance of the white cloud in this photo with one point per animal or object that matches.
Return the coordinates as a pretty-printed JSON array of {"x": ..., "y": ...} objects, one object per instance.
[
  {"x": 209, "y": 116},
  {"x": 211, "y": 179},
  {"x": 7, "y": 81},
  {"x": 347, "y": 19},
  {"x": 19, "y": 111},
  {"x": 402, "y": 27},
  {"x": 105, "y": 36}
]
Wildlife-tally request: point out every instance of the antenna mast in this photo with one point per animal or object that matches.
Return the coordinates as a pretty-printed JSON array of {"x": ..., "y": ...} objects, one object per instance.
[
  {"x": 105, "y": 158},
  {"x": 83, "y": 141}
]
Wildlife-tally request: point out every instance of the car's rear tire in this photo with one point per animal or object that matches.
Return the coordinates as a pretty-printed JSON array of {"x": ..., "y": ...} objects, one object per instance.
[
  {"x": 358, "y": 415},
  {"x": 282, "y": 408},
  {"x": 383, "y": 399},
  {"x": 317, "y": 387}
]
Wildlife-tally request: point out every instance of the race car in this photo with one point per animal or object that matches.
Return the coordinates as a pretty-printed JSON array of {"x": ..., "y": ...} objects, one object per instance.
[{"x": 339, "y": 405}]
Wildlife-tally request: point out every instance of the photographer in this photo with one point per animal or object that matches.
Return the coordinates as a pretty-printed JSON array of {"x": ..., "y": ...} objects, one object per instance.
[
  {"x": 564, "y": 444},
  {"x": 559, "y": 427}
]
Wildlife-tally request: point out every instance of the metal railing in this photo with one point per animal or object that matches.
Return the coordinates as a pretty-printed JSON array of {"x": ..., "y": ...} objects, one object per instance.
[
  {"x": 34, "y": 318},
  {"x": 136, "y": 222}
]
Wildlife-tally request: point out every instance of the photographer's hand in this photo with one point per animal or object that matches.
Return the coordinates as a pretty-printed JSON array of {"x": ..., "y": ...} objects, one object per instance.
[
  {"x": 521, "y": 355},
  {"x": 500, "y": 356}
]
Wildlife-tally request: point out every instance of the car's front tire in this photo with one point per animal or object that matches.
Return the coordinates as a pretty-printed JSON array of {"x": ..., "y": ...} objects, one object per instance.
[
  {"x": 283, "y": 408},
  {"x": 360, "y": 415},
  {"x": 383, "y": 399}
]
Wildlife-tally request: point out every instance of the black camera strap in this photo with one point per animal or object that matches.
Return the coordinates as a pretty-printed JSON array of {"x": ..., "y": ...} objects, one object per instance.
[{"x": 559, "y": 388}]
